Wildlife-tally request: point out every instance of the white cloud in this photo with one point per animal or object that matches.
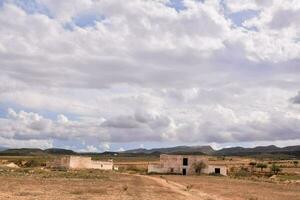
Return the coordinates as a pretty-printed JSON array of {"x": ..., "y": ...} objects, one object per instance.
[
  {"x": 121, "y": 149},
  {"x": 146, "y": 72},
  {"x": 65, "y": 10},
  {"x": 91, "y": 148},
  {"x": 105, "y": 147}
]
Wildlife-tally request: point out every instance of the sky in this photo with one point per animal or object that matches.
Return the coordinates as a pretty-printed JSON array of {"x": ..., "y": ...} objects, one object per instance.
[{"x": 111, "y": 75}]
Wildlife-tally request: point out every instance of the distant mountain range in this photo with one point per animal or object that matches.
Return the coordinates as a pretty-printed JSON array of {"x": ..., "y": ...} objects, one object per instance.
[
  {"x": 36, "y": 152},
  {"x": 3, "y": 148},
  {"x": 195, "y": 150},
  {"x": 182, "y": 149},
  {"x": 233, "y": 151},
  {"x": 241, "y": 151}
]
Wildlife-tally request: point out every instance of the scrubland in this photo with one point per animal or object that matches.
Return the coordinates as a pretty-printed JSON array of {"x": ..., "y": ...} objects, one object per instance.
[{"x": 32, "y": 180}]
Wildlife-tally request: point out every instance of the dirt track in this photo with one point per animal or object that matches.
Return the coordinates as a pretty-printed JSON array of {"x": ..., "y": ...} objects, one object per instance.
[
  {"x": 189, "y": 193},
  {"x": 238, "y": 189}
]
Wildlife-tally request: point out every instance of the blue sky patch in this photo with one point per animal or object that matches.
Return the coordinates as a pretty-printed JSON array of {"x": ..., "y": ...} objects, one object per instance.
[
  {"x": 87, "y": 19},
  {"x": 31, "y": 7},
  {"x": 239, "y": 17},
  {"x": 177, "y": 5}
]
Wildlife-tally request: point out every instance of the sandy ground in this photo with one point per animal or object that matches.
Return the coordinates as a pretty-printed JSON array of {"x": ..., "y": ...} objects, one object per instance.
[
  {"x": 139, "y": 187},
  {"x": 184, "y": 190},
  {"x": 116, "y": 187},
  {"x": 234, "y": 189}
]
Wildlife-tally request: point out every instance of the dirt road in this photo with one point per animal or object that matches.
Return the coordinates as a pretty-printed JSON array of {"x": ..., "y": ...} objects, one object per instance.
[
  {"x": 185, "y": 190},
  {"x": 238, "y": 189}
]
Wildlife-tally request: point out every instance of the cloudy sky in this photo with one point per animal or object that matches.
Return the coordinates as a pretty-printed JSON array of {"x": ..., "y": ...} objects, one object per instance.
[{"x": 96, "y": 75}]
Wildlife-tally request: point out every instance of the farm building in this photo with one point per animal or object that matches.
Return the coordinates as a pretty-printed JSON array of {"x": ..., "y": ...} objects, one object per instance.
[
  {"x": 80, "y": 162},
  {"x": 185, "y": 165}
]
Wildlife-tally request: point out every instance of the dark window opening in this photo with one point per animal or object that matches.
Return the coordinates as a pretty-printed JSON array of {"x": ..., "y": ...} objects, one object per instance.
[
  {"x": 185, "y": 162},
  {"x": 184, "y": 172},
  {"x": 217, "y": 171}
]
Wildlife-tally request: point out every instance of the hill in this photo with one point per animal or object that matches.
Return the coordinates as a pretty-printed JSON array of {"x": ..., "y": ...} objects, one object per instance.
[
  {"x": 22, "y": 152},
  {"x": 241, "y": 151},
  {"x": 3, "y": 148},
  {"x": 177, "y": 149},
  {"x": 58, "y": 151},
  {"x": 36, "y": 152},
  {"x": 266, "y": 151}
]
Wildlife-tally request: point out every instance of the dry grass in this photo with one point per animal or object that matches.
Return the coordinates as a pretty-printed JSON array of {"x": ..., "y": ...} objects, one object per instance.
[
  {"x": 112, "y": 186},
  {"x": 236, "y": 189},
  {"x": 35, "y": 183}
]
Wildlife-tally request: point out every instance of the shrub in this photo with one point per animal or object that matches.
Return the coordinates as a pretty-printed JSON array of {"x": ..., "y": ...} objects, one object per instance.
[
  {"x": 261, "y": 166},
  {"x": 188, "y": 187},
  {"x": 275, "y": 168},
  {"x": 242, "y": 173},
  {"x": 134, "y": 168},
  {"x": 199, "y": 166},
  {"x": 32, "y": 163},
  {"x": 215, "y": 174},
  {"x": 125, "y": 187},
  {"x": 252, "y": 165}
]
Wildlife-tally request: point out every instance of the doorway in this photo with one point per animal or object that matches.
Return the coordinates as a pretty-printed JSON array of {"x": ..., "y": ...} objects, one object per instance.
[
  {"x": 217, "y": 171},
  {"x": 184, "y": 172}
]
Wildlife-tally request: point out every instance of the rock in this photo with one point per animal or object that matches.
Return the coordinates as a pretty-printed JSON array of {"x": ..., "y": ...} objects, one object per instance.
[
  {"x": 273, "y": 177},
  {"x": 12, "y": 165}
]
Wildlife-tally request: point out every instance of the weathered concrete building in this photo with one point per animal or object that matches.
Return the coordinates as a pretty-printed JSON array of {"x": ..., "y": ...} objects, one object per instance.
[
  {"x": 185, "y": 165},
  {"x": 80, "y": 162}
]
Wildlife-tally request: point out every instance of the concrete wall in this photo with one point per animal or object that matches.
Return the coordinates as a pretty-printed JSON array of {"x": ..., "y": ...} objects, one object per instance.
[
  {"x": 80, "y": 162},
  {"x": 62, "y": 162},
  {"x": 104, "y": 165},
  {"x": 174, "y": 164},
  {"x": 157, "y": 168},
  {"x": 211, "y": 169}
]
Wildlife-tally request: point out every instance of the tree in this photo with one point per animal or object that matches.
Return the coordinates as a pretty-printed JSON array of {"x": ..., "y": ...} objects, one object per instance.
[
  {"x": 275, "y": 168},
  {"x": 198, "y": 166},
  {"x": 252, "y": 164},
  {"x": 296, "y": 162},
  {"x": 261, "y": 166}
]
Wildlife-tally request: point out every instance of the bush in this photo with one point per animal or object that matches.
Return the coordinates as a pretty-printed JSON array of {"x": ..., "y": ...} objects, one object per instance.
[
  {"x": 188, "y": 187},
  {"x": 134, "y": 168},
  {"x": 199, "y": 166},
  {"x": 261, "y": 166},
  {"x": 215, "y": 174},
  {"x": 32, "y": 163},
  {"x": 125, "y": 188},
  {"x": 242, "y": 173},
  {"x": 275, "y": 168}
]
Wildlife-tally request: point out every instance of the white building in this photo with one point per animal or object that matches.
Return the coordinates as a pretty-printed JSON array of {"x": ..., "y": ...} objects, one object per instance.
[
  {"x": 81, "y": 162},
  {"x": 185, "y": 165}
]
